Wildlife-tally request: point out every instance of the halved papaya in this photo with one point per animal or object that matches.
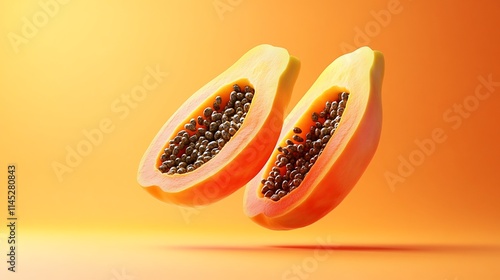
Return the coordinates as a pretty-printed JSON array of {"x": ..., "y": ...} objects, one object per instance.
[
  {"x": 327, "y": 142},
  {"x": 223, "y": 134}
]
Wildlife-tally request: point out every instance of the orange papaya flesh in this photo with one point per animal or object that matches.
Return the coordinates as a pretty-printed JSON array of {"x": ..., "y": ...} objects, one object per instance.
[
  {"x": 303, "y": 148},
  {"x": 205, "y": 135},
  {"x": 346, "y": 154},
  {"x": 269, "y": 73}
]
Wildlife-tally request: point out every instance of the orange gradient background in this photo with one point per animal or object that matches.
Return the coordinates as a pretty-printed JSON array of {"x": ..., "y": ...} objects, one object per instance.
[{"x": 440, "y": 221}]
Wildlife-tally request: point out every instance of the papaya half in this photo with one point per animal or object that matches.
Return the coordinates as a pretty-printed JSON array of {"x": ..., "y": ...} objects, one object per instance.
[
  {"x": 220, "y": 138},
  {"x": 327, "y": 141}
]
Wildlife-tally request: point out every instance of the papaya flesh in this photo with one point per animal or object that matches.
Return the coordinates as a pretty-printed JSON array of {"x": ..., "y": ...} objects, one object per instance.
[
  {"x": 357, "y": 77},
  {"x": 269, "y": 74}
]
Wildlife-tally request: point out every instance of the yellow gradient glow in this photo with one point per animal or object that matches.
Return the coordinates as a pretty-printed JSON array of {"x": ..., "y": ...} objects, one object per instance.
[{"x": 76, "y": 118}]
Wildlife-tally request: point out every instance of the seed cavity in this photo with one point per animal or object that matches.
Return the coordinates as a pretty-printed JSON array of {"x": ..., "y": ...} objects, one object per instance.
[
  {"x": 294, "y": 160},
  {"x": 205, "y": 135}
]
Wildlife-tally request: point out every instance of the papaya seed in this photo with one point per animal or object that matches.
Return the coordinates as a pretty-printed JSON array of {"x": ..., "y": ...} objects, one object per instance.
[
  {"x": 207, "y": 112},
  {"x": 268, "y": 193},
  {"x": 297, "y": 138},
  {"x": 232, "y": 131},
  {"x": 315, "y": 117},
  {"x": 248, "y": 89}
]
